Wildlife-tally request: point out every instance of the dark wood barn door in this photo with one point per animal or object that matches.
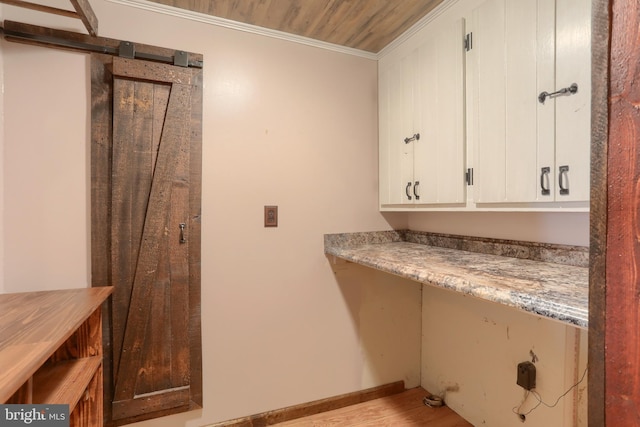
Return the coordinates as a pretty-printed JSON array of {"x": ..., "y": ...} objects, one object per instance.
[{"x": 146, "y": 167}]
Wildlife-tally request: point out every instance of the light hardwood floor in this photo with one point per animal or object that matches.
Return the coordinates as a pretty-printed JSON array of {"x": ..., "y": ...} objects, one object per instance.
[{"x": 404, "y": 409}]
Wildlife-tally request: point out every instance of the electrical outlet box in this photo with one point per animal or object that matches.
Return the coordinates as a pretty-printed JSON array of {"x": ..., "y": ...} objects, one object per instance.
[
  {"x": 526, "y": 375},
  {"x": 270, "y": 216}
]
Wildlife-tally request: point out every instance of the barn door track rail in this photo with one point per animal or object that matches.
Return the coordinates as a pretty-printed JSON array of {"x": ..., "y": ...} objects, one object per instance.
[{"x": 48, "y": 37}]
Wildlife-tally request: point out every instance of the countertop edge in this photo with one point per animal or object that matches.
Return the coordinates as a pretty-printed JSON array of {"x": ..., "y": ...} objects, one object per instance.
[{"x": 527, "y": 302}]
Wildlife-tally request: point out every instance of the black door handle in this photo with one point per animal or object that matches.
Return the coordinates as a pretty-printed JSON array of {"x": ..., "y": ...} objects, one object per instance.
[{"x": 182, "y": 238}]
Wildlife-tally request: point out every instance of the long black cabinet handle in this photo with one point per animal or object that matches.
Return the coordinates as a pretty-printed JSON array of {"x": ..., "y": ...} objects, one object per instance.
[
  {"x": 415, "y": 188},
  {"x": 545, "y": 190},
  {"x": 406, "y": 190},
  {"x": 570, "y": 90},
  {"x": 415, "y": 137}
]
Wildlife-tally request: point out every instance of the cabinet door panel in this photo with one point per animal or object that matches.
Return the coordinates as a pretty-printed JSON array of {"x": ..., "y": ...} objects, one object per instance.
[
  {"x": 408, "y": 124},
  {"x": 391, "y": 145},
  {"x": 521, "y": 100},
  {"x": 514, "y": 46},
  {"x": 573, "y": 113},
  {"x": 385, "y": 164},
  {"x": 489, "y": 58},
  {"x": 546, "y": 112},
  {"x": 439, "y": 155},
  {"x": 426, "y": 161}
]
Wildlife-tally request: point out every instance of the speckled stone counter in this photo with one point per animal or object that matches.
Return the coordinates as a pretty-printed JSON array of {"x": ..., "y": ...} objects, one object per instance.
[{"x": 547, "y": 280}]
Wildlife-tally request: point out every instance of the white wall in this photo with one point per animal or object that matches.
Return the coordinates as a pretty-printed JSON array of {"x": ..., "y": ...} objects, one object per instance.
[
  {"x": 46, "y": 189},
  {"x": 284, "y": 124},
  {"x": 568, "y": 228}
]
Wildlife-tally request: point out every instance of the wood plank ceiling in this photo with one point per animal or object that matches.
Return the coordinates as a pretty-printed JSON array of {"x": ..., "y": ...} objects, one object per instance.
[{"x": 368, "y": 25}]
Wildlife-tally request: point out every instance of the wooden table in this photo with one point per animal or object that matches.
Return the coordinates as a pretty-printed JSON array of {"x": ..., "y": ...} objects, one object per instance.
[{"x": 51, "y": 350}]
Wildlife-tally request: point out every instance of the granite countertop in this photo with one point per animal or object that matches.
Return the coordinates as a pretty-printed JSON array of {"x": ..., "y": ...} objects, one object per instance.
[{"x": 524, "y": 279}]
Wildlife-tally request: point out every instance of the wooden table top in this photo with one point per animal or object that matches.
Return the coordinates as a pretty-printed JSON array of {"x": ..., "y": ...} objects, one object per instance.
[{"x": 34, "y": 324}]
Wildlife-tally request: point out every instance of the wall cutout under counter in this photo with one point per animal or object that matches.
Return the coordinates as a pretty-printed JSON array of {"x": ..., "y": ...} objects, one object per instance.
[{"x": 547, "y": 280}]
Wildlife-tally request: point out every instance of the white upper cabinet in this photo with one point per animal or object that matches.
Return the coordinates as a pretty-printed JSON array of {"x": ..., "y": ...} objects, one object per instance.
[
  {"x": 531, "y": 84},
  {"x": 422, "y": 129},
  {"x": 494, "y": 116}
]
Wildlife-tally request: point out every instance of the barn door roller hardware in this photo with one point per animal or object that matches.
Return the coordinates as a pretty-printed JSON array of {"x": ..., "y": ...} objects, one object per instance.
[
  {"x": 128, "y": 50},
  {"x": 42, "y": 36}
]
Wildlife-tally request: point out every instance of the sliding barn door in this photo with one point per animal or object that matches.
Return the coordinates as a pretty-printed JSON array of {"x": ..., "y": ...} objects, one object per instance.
[{"x": 148, "y": 159}]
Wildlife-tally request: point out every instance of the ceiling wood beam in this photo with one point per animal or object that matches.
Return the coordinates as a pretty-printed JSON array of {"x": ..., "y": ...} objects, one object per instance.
[
  {"x": 83, "y": 11},
  {"x": 41, "y": 8},
  {"x": 88, "y": 18}
]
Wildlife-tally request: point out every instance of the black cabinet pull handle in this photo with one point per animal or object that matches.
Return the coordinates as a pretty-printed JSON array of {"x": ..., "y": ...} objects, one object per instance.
[
  {"x": 415, "y": 137},
  {"x": 545, "y": 190},
  {"x": 570, "y": 90},
  {"x": 563, "y": 171},
  {"x": 406, "y": 190},
  {"x": 415, "y": 188}
]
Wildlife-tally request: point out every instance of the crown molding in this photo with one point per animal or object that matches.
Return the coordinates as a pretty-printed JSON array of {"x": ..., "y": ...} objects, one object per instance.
[
  {"x": 281, "y": 35},
  {"x": 254, "y": 29}
]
